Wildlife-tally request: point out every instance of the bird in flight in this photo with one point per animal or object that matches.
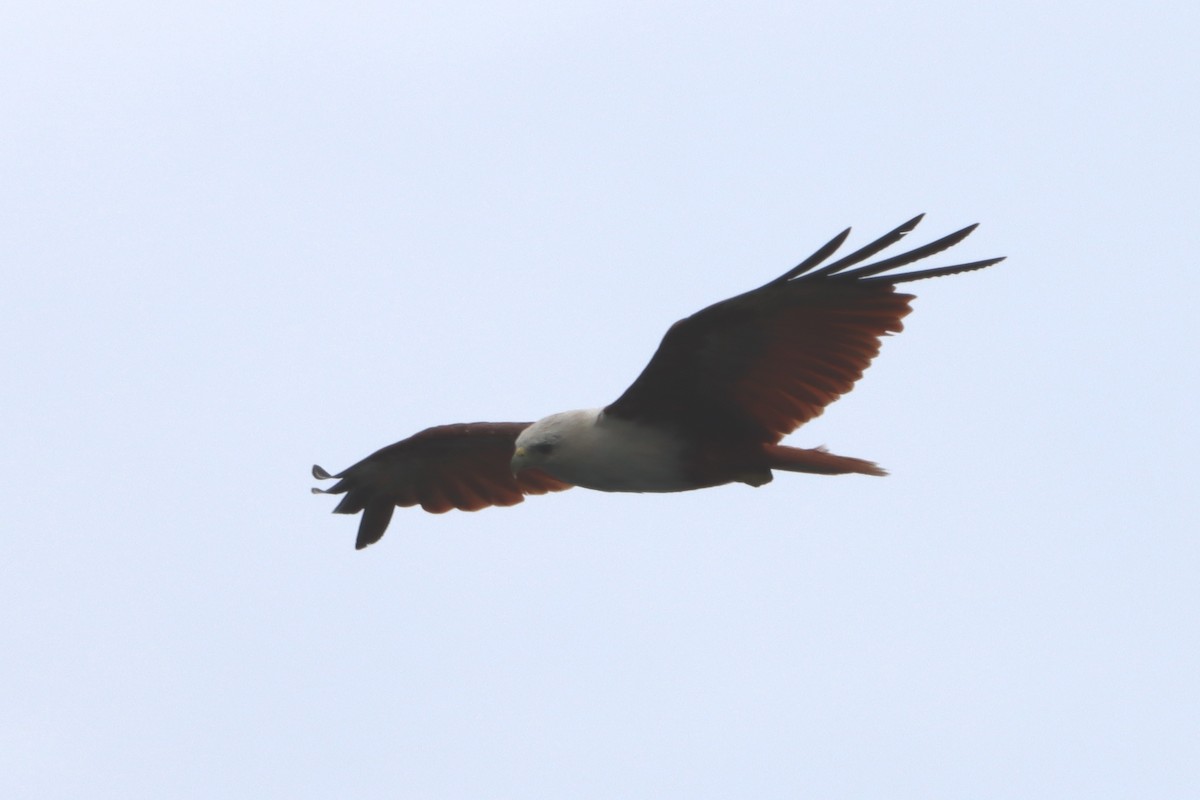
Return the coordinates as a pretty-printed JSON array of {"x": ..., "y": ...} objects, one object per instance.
[{"x": 724, "y": 387}]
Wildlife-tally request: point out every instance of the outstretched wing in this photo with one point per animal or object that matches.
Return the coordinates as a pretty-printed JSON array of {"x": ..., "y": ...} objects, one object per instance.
[
  {"x": 465, "y": 466},
  {"x": 763, "y": 363}
]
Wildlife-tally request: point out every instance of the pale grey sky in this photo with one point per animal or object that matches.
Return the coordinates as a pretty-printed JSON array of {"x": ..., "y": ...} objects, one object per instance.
[{"x": 240, "y": 238}]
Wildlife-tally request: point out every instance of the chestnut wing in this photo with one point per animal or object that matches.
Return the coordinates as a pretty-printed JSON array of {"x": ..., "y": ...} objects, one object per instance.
[{"x": 464, "y": 466}]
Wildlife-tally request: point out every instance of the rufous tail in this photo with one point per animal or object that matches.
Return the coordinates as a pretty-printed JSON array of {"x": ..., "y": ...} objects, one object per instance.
[{"x": 818, "y": 461}]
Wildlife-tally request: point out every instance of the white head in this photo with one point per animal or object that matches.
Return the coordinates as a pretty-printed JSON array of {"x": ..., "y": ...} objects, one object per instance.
[
  {"x": 554, "y": 441},
  {"x": 588, "y": 449}
]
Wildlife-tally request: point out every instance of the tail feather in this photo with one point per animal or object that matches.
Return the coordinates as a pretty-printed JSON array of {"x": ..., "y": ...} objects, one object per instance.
[{"x": 818, "y": 461}]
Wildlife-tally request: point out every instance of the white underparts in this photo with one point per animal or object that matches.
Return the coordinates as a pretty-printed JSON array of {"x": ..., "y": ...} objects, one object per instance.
[{"x": 595, "y": 451}]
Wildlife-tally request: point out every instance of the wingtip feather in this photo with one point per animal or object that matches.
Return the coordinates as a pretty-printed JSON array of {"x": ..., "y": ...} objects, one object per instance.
[{"x": 375, "y": 519}]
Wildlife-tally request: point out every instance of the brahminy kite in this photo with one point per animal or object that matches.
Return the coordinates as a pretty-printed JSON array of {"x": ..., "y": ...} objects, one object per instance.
[{"x": 725, "y": 386}]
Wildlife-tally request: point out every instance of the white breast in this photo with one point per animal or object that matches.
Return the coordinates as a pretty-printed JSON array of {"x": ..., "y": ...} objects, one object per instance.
[{"x": 612, "y": 455}]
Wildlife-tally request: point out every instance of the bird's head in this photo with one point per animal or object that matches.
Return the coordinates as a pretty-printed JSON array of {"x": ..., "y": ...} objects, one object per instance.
[{"x": 549, "y": 442}]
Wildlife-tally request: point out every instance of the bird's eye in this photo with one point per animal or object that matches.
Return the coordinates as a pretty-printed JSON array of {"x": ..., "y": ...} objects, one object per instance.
[{"x": 541, "y": 448}]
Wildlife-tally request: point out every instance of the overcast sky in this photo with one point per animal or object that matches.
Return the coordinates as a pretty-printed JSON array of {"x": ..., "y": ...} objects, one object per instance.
[{"x": 240, "y": 238}]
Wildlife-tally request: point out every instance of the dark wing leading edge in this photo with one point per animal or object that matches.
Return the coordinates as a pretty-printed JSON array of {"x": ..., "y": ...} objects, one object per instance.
[
  {"x": 464, "y": 466},
  {"x": 763, "y": 363}
]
